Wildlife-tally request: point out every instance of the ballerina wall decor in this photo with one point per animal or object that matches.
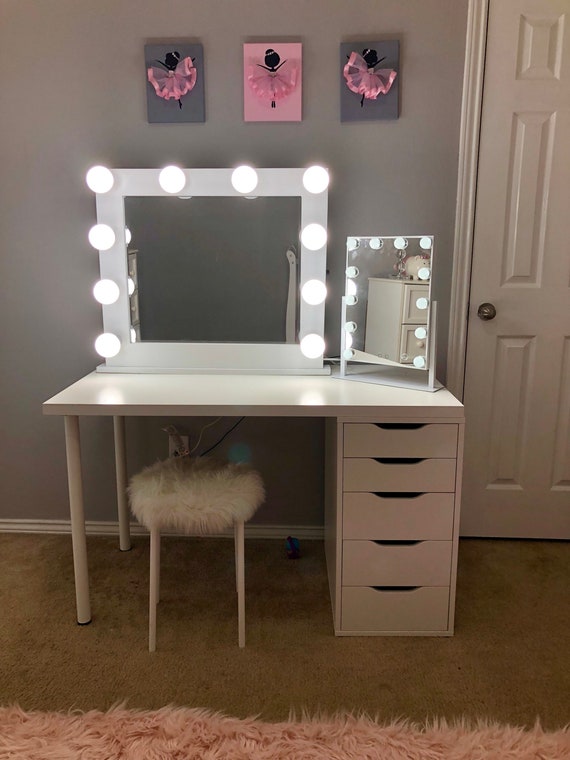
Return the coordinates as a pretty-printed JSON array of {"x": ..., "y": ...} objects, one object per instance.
[
  {"x": 272, "y": 81},
  {"x": 175, "y": 83},
  {"x": 369, "y": 87}
]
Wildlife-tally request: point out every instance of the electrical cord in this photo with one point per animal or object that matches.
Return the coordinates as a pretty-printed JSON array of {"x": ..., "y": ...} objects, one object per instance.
[
  {"x": 193, "y": 449},
  {"x": 225, "y": 435}
]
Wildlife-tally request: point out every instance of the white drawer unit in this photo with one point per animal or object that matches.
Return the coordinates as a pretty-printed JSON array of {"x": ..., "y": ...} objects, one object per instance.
[{"x": 394, "y": 541}]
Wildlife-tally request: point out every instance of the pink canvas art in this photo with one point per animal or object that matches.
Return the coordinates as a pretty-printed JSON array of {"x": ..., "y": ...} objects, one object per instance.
[{"x": 272, "y": 81}]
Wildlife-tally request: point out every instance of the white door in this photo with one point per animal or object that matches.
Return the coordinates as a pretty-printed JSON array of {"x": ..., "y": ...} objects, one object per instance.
[{"x": 517, "y": 375}]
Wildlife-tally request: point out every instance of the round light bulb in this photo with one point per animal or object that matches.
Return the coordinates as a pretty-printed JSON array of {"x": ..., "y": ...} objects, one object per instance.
[
  {"x": 106, "y": 291},
  {"x": 133, "y": 335},
  {"x": 128, "y": 235},
  {"x": 400, "y": 243},
  {"x": 348, "y": 353},
  {"x": 420, "y": 333},
  {"x": 313, "y": 236},
  {"x": 350, "y": 327},
  {"x": 172, "y": 179},
  {"x": 424, "y": 273},
  {"x": 314, "y": 292},
  {"x": 316, "y": 179},
  {"x": 101, "y": 237},
  {"x": 419, "y": 362},
  {"x": 352, "y": 243},
  {"x": 351, "y": 288},
  {"x": 131, "y": 286},
  {"x": 107, "y": 345},
  {"x": 348, "y": 340},
  {"x": 244, "y": 179},
  {"x": 425, "y": 243},
  {"x": 422, "y": 303},
  {"x": 99, "y": 179},
  {"x": 351, "y": 272},
  {"x": 376, "y": 243},
  {"x": 351, "y": 300},
  {"x": 312, "y": 346}
]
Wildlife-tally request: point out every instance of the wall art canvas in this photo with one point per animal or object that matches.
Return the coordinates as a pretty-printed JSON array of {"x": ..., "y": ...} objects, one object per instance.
[
  {"x": 174, "y": 76},
  {"x": 369, "y": 80},
  {"x": 272, "y": 88}
]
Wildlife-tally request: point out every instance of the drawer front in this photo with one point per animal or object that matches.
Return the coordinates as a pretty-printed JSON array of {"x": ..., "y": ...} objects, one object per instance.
[
  {"x": 416, "y": 302},
  {"x": 406, "y": 440},
  {"x": 410, "y": 345},
  {"x": 414, "y": 516},
  {"x": 422, "y": 475},
  {"x": 371, "y": 610},
  {"x": 367, "y": 563}
]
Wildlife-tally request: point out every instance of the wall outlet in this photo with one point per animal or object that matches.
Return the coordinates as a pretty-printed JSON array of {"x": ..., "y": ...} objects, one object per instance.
[{"x": 176, "y": 443}]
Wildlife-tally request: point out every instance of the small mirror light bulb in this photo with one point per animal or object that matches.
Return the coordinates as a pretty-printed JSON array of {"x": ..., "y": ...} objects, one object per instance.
[
  {"x": 425, "y": 243},
  {"x": 421, "y": 303},
  {"x": 348, "y": 353},
  {"x": 244, "y": 179},
  {"x": 316, "y": 179},
  {"x": 376, "y": 243},
  {"x": 351, "y": 288},
  {"x": 99, "y": 179},
  {"x": 312, "y": 346},
  {"x": 107, "y": 345},
  {"x": 352, "y": 243},
  {"x": 420, "y": 333},
  {"x": 314, "y": 292},
  {"x": 314, "y": 236},
  {"x": 172, "y": 179},
  {"x": 350, "y": 327},
  {"x": 351, "y": 299},
  {"x": 352, "y": 272},
  {"x": 400, "y": 243},
  {"x": 424, "y": 273},
  {"x": 101, "y": 237},
  {"x": 419, "y": 362},
  {"x": 106, "y": 292}
]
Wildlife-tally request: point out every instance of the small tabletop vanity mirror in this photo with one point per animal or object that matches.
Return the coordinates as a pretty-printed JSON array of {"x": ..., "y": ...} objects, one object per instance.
[
  {"x": 212, "y": 269},
  {"x": 388, "y": 318}
]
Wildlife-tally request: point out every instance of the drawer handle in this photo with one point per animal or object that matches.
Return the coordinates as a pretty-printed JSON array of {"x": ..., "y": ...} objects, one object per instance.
[
  {"x": 398, "y": 494},
  {"x": 399, "y": 460},
  {"x": 399, "y": 425},
  {"x": 396, "y": 543},
  {"x": 395, "y": 588}
]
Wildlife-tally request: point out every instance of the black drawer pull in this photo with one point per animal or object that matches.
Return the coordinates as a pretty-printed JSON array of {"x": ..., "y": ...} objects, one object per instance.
[
  {"x": 396, "y": 543},
  {"x": 395, "y": 588},
  {"x": 399, "y": 460},
  {"x": 398, "y": 494},
  {"x": 400, "y": 425}
]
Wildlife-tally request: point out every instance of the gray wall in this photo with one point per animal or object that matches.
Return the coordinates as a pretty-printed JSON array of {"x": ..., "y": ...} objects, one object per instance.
[{"x": 74, "y": 95}]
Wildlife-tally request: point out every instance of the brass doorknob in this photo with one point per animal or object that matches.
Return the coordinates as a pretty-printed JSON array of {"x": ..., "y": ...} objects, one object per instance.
[{"x": 486, "y": 311}]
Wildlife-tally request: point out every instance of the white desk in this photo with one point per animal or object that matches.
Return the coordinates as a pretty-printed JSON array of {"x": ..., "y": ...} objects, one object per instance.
[{"x": 341, "y": 401}]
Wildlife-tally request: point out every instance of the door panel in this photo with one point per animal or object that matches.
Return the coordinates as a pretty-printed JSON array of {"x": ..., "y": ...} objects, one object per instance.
[{"x": 517, "y": 380}]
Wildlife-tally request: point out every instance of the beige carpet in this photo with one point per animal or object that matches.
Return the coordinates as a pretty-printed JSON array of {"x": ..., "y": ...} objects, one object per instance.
[
  {"x": 183, "y": 734},
  {"x": 509, "y": 660}
]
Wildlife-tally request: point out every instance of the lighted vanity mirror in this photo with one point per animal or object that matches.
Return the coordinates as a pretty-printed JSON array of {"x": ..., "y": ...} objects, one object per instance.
[
  {"x": 214, "y": 278},
  {"x": 387, "y": 310}
]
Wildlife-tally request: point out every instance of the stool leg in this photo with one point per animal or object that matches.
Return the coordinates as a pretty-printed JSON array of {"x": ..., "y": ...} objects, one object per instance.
[
  {"x": 154, "y": 586},
  {"x": 240, "y": 579}
]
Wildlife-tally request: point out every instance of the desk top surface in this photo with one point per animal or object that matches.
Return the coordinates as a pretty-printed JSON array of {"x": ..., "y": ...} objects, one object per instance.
[{"x": 110, "y": 394}]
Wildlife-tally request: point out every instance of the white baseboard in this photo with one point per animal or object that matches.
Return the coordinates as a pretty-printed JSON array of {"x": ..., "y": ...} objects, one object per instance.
[{"x": 110, "y": 528}]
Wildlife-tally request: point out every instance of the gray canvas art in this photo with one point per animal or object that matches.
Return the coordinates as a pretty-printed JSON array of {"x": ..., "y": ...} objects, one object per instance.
[
  {"x": 369, "y": 80},
  {"x": 170, "y": 69}
]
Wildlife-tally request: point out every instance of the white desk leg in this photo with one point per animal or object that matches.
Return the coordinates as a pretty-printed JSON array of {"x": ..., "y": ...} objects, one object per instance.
[
  {"x": 121, "y": 473},
  {"x": 79, "y": 543}
]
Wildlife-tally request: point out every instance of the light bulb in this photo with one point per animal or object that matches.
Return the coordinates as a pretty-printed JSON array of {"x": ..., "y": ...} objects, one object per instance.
[
  {"x": 128, "y": 235},
  {"x": 244, "y": 179},
  {"x": 172, "y": 179},
  {"x": 314, "y": 292},
  {"x": 348, "y": 340},
  {"x": 425, "y": 243},
  {"x": 400, "y": 243},
  {"x": 351, "y": 300},
  {"x": 350, "y": 327},
  {"x": 348, "y": 353},
  {"x": 107, "y": 345},
  {"x": 351, "y": 272},
  {"x": 101, "y": 237},
  {"x": 99, "y": 179},
  {"x": 419, "y": 362},
  {"x": 316, "y": 179},
  {"x": 351, "y": 288},
  {"x": 376, "y": 243},
  {"x": 420, "y": 333},
  {"x": 312, "y": 346},
  {"x": 133, "y": 335},
  {"x": 106, "y": 291},
  {"x": 422, "y": 303},
  {"x": 352, "y": 243},
  {"x": 313, "y": 236},
  {"x": 131, "y": 286},
  {"x": 424, "y": 273}
]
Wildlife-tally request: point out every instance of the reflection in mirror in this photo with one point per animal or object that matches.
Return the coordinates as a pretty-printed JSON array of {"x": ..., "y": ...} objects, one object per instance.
[
  {"x": 215, "y": 269},
  {"x": 387, "y": 303}
]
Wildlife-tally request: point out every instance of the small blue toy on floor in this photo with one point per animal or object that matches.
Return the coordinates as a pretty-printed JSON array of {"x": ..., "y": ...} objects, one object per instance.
[{"x": 292, "y": 545}]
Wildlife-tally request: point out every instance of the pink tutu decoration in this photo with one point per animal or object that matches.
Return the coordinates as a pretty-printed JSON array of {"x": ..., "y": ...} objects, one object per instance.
[
  {"x": 271, "y": 86},
  {"x": 173, "y": 84},
  {"x": 366, "y": 81}
]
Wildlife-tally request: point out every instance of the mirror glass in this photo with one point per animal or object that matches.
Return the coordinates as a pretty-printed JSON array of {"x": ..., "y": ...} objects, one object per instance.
[
  {"x": 387, "y": 301},
  {"x": 215, "y": 269}
]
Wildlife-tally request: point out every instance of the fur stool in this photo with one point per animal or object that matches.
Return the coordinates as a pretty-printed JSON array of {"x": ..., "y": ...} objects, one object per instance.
[{"x": 195, "y": 496}]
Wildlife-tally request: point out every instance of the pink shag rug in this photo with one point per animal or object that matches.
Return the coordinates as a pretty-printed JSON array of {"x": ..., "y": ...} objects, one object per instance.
[{"x": 193, "y": 734}]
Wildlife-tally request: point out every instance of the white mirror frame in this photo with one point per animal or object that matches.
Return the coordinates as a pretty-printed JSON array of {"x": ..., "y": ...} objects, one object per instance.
[{"x": 276, "y": 358}]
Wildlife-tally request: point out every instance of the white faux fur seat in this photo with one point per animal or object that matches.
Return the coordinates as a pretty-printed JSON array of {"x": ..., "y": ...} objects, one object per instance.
[{"x": 195, "y": 496}]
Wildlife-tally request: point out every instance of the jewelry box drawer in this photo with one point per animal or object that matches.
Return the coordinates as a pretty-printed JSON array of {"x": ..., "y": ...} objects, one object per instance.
[
  {"x": 395, "y": 611},
  {"x": 400, "y": 440},
  {"x": 416, "y": 303},
  {"x": 399, "y": 475},
  {"x": 417, "y": 563},
  {"x": 391, "y": 516}
]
